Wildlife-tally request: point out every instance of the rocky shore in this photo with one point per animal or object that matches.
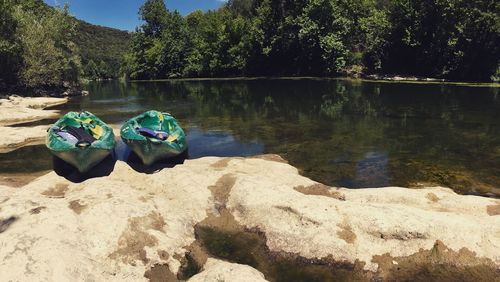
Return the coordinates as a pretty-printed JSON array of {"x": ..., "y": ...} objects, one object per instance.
[
  {"x": 18, "y": 110},
  {"x": 131, "y": 226},
  {"x": 236, "y": 219}
]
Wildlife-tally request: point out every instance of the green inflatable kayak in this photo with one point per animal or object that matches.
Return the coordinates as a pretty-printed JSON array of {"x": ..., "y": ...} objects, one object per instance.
[
  {"x": 154, "y": 136},
  {"x": 80, "y": 139}
]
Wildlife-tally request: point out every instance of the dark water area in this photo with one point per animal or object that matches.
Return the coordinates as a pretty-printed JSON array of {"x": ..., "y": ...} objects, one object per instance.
[{"x": 345, "y": 133}]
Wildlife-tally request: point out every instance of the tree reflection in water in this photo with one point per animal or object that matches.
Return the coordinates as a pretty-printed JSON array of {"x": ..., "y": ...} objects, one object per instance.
[{"x": 339, "y": 132}]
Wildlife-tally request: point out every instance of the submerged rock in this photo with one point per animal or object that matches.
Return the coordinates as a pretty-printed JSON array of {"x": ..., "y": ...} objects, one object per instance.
[{"x": 131, "y": 226}]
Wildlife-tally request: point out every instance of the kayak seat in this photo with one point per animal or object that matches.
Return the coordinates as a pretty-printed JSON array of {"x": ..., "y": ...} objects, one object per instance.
[
  {"x": 66, "y": 136},
  {"x": 76, "y": 136},
  {"x": 156, "y": 134}
]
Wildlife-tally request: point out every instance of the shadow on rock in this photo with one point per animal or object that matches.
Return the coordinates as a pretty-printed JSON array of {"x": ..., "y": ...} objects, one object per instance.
[
  {"x": 72, "y": 174},
  {"x": 136, "y": 163},
  {"x": 6, "y": 223}
]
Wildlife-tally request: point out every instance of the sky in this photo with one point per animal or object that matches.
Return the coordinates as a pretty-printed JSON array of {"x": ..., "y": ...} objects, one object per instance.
[{"x": 122, "y": 14}]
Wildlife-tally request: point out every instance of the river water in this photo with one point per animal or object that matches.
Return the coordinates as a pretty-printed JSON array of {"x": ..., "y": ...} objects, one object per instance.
[{"x": 347, "y": 133}]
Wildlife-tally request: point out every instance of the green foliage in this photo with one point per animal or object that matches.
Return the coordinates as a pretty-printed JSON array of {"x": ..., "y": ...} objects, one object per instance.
[
  {"x": 323, "y": 28},
  {"x": 102, "y": 45},
  {"x": 172, "y": 46},
  {"x": 456, "y": 39},
  {"x": 10, "y": 47},
  {"x": 50, "y": 57},
  {"x": 91, "y": 70},
  {"x": 374, "y": 28},
  {"x": 154, "y": 13},
  {"x": 139, "y": 63},
  {"x": 44, "y": 47}
]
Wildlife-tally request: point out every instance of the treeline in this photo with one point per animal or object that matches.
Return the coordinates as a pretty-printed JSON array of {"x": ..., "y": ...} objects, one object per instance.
[
  {"x": 453, "y": 39},
  {"x": 36, "y": 47},
  {"x": 45, "y": 48}
]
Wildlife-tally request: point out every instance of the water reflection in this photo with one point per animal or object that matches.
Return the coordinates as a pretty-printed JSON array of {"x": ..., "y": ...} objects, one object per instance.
[{"x": 339, "y": 132}]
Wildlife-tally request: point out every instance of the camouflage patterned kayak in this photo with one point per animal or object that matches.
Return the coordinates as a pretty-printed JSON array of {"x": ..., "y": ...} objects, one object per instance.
[
  {"x": 154, "y": 136},
  {"x": 80, "y": 139}
]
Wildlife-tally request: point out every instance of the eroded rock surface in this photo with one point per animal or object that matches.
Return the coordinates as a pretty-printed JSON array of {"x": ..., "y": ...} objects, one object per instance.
[
  {"x": 16, "y": 110},
  {"x": 131, "y": 226},
  {"x": 17, "y": 137},
  {"x": 20, "y": 110}
]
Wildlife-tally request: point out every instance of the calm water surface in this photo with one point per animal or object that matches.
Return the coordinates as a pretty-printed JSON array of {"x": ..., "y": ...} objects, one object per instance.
[{"x": 339, "y": 132}]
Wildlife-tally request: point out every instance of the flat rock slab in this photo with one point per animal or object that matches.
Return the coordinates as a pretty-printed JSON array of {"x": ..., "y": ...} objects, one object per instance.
[
  {"x": 16, "y": 137},
  {"x": 131, "y": 226},
  {"x": 17, "y": 110}
]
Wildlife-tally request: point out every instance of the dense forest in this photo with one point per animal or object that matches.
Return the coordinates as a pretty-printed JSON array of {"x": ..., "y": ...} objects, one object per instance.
[
  {"x": 101, "y": 49},
  {"x": 452, "y": 39},
  {"x": 45, "y": 48}
]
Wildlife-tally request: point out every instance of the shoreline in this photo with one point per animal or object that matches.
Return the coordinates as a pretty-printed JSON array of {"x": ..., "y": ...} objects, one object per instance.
[
  {"x": 389, "y": 233},
  {"x": 393, "y": 79},
  {"x": 19, "y": 110},
  {"x": 261, "y": 208},
  {"x": 43, "y": 92},
  {"x": 66, "y": 93}
]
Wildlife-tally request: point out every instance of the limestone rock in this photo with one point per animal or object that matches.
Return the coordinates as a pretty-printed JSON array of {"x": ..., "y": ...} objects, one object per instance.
[
  {"x": 217, "y": 270},
  {"x": 131, "y": 226},
  {"x": 17, "y": 110},
  {"x": 102, "y": 229},
  {"x": 358, "y": 224},
  {"x": 20, "y": 110},
  {"x": 16, "y": 137}
]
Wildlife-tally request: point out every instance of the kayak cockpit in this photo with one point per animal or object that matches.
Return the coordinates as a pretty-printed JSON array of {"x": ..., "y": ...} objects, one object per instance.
[
  {"x": 80, "y": 139},
  {"x": 154, "y": 135}
]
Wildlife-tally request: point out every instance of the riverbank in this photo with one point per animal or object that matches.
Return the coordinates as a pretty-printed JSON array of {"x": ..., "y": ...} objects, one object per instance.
[
  {"x": 65, "y": 90},
  {"x": 365, "y": 78},
  {"x": 235, "y": 219},
  {"x": 18, "y": 110},
  {"x": 257, "y": 212},
  {"x": 14, "y": 112}
]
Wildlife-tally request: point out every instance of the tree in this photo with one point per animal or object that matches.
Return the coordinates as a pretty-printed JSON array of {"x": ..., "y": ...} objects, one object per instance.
[
  {"x": 455, "y": 39},
  {"x": 173, "y": 45},
  {"x": 194, "y": 61},
  {"x": 104, "y": 71},
  {"x": 154, "y": 15},
  {"x": 324, "y": 26},
  {"x": 243, "y": 8},
  {"x": 91, "y": 71},
  {"x": 10, "y": 46},
  {"x": 375, "y": 28},
  {"x": 320, "y": 37},
  {"x": 50, "y": 57},
  {"x": 141, "y": 62}
]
